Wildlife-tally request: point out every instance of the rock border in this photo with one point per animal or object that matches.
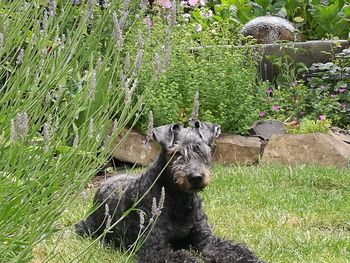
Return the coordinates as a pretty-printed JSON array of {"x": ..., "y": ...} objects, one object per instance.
[{"x": 288, "y": 149}]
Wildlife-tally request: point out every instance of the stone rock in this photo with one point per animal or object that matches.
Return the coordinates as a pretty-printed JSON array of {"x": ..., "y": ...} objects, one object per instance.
[
  {"x": 269, "y": 29},
  {"x": 131, "y": 148},
  {"x": 311, "y": 149},
  {"x": 236, "y": 149},
  {"x": 308, "y": 52},
  {"x": 341, "y": 134},
  {"x": 266, "y": 128}
]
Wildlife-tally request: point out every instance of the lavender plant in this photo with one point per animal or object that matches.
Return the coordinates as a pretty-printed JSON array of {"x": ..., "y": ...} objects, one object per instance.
[{"x": 61, "y": 88}]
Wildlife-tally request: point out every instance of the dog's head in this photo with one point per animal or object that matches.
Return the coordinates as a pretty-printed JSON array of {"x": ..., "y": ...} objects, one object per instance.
[{"x": 189, "y": 152}]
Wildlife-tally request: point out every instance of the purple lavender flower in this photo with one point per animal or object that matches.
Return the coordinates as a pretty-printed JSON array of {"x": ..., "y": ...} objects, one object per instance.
[
  {"x": 20, "y": 57},
  {"x": 167, "y": 47},
  {"x": 195, "y": 113},
  {"x": 1, "y": 40},
  {"x": 206, "y": 13},
  {"x": 52, "y": 7},
  {"x": 148, "y": 21},
  {"x": 150, "y": 128},
  {"x": 166, "y": 3},
  {"x": 192, "y": 2},
  {"x": 19, "y": 126},
  {"x": 144, "y": 4},
  {"x": 90, "y": 12},
  {"x": 158, "y": 65},
  {"x": 92, "y": 91}
]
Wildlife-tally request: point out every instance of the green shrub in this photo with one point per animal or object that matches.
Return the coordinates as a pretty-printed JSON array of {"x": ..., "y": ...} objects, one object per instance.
[
  {"x": 311, "y": 126},
  {"x": 225, "y": 78}
]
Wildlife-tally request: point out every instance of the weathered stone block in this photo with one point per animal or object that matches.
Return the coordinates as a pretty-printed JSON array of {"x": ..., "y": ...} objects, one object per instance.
[
  {"x": 310, "y": 149},
  {"x": 132, "y": 148},
  {"x": 236, "y": 149}
]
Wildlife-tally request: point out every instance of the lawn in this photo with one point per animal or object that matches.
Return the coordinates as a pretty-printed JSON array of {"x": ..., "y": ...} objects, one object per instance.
[{"x": 284, "y": 214}]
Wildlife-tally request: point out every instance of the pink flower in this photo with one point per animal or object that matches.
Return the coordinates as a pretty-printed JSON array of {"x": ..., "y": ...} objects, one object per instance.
[
  {"x": 192, "y": 2},
  {"x": 166, "y": 3},
  {"x": 341, "y": 90},
  {"x": 333, "y": 95},
  {"x": 148, "y": 21},
  {"x": 322, "y": 117},
  {"x": 262, "y": 114},
  {"x": 269, "y": 91},
  {"x": 302, "y": 113},
  {"x": 344, "y": 106},
  {"x": 199, "y": 28},
  {"x": 276, "y": 107}
]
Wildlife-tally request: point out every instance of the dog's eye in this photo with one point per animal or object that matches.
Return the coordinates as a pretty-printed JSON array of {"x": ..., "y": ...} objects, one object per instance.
[{"x": 196, "y": 149}]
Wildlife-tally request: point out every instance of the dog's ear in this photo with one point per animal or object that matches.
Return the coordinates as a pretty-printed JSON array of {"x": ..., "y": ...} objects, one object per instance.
[
  {"x": 207, "y": 131},
  {"x": 166, "y": 135}
]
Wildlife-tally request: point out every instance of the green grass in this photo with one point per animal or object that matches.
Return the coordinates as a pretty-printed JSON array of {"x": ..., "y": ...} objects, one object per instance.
[{"x": 283, "y": 214}]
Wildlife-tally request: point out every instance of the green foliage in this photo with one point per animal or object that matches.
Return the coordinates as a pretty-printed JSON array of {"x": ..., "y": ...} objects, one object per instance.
[
  {"x": 286, "y": 102},
  {"x": 324, "y": 92},
  {"x": 61, "y": 89},
  {"x": 315, "y": 19},
  {"x": 331, "y": 89},
  {"x": 224, "y": 76},
  {"x": 311, "y": 126}
]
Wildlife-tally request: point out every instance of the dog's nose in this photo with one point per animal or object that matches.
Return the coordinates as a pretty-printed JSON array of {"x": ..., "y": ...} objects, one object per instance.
[{"x": 195, "y": 179}]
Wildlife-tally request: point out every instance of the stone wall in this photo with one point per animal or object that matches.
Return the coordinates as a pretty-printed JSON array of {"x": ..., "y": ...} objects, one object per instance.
[{"x": 308, "y": 149}]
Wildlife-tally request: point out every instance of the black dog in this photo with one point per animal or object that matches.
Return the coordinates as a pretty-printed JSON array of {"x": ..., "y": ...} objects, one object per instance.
[{"x": 182, "y": 169}]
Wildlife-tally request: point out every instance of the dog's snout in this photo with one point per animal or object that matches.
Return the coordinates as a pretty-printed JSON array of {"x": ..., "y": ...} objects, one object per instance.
[{"x": 195, "y": 179}]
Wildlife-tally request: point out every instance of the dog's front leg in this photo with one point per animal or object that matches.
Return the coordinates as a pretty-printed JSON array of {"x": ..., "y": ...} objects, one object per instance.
[
  {"x": 219, "y": 250},
  {"x": 215, "y": 249},
  {"x": 156, "y": 251}
]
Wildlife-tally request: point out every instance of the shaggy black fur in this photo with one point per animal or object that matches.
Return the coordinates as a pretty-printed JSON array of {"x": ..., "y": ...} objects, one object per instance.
[{"x": 182, "y": 169}]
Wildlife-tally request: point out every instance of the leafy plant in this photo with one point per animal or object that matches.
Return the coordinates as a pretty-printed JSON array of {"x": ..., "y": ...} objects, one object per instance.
[
  {"x": 329, "y": 83},
  {"x": 323, "y": 92},
  {"x": 311, "y": 126},
  {"x": 63, "y": 101},
  {"x": 224, "y": 76},
  {"x": 286, "y": 102},
  {"x": 315, "y": 19}
]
